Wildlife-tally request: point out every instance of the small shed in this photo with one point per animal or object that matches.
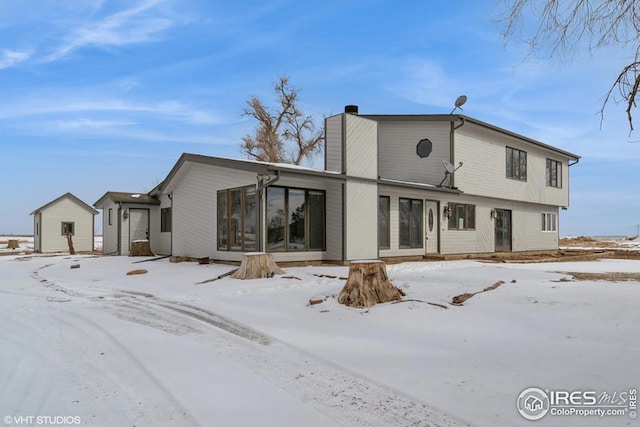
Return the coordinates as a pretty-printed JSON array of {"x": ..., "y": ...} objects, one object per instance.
[{"x": 52, "y": 221}]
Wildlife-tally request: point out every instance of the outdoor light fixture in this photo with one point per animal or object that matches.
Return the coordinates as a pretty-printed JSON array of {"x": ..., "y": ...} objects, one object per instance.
[
  {"x": 125, "y": 215},
  {"x": 447, "y": 210},
  {"x": 493, "y": 214}
]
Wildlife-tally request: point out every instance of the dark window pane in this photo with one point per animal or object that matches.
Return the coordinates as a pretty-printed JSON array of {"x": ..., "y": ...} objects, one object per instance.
[
  {"x": 471, "y": 216},
  {"x": 249, "y": 215},
  {"x": 275, "y": 219},
  {"x": 383, "y": 222},
  {"x": 509, "y": 163},
  {"x": 316, "y": 220},
  {"x": 416, "y": 223},
  {"x": 235, "y": 220},
  {"x": 404, "y": 220},
  {"x": 296, "y": 220},
  {"x": 223, "y": 238}
]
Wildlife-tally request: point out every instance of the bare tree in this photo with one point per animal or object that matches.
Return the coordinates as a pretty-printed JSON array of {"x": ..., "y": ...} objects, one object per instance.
[
  {"x": 283, "y": 134},
  {"x": 565, "y": 26}
]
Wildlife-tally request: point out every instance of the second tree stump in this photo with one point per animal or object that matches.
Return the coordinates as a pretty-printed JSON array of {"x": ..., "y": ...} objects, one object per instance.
[
  {"x": 257, "y": 265},
  {"x": 368, "y": 285}
]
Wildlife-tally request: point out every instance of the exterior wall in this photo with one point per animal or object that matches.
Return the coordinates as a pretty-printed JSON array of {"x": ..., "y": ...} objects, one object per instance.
[
  {"x": 37, "y": 218},
  {"x": 361, "y": 136},
  {"x": 483, "y": 153},
  {"x": 109, "y": 231},
  {"x": 527, "y": 234},
  {"x": 154, "y": 218},
  {"x": 161, "y": 241},
  {"x": 361, "y": 215},
  {"x": 194, "y": 212},
  {"x": 65, "y": 210},
  {"x": 333, "y": 143},
  {"x": 397, "y": 150}
]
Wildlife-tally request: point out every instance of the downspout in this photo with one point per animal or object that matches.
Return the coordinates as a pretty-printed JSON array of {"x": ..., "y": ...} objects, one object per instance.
[
  {"x": 451, "y": 146},
  {"x": 119, "y": 231},
  {"x": 170, "y": 196},
  {"x": 261, "y": 187}
]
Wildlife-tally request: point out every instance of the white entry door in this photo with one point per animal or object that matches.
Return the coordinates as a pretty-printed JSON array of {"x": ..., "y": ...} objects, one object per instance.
[
  {"x": 431, "y": 227},
  {"x": 138, "y": 224}
]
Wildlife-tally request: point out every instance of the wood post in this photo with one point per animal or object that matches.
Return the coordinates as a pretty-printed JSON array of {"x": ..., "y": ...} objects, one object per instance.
[
  {"x": 257, "y": 265},
  {"x": 368, "y": 285},
  {"x": 140, "y": 248}
]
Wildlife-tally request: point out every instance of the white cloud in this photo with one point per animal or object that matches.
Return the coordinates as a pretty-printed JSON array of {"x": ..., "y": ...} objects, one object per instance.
[
  {"x": 139, "y": 24},
  {"x": 10, "y": 58}
]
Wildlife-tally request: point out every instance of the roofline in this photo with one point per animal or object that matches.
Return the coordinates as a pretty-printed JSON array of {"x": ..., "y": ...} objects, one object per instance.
[
  {"x": 462, "y": 117},
  {"x": 74, "y": 198},
  {"x": 109, "y": 195},
  {"x": 246, "y": 165}
]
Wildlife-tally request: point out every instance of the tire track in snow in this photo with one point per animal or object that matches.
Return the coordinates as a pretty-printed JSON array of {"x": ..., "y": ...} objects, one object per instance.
[{"x": 346, "y": 398}]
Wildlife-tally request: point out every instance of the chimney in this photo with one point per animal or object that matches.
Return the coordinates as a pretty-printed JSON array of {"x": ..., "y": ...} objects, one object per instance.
[{"x": 351, "y": 109}]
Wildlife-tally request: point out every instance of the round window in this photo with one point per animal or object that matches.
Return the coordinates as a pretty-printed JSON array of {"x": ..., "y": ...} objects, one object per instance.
[{"x": 430, "y": 219}]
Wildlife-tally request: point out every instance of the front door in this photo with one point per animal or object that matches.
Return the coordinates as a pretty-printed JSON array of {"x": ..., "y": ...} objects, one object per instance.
[
  {"x": 138, "y": 224},
  {"x": 431, "y": 227},
  {"x": 503, "y": 230}
]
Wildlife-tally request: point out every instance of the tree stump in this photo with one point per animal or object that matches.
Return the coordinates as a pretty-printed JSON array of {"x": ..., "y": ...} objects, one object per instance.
[
  {"x": 13, "y": 244},
  {"x": 257, "y": 265},
  {"x": 368, "y": 285},
  {"x": 140, "y": 248}
]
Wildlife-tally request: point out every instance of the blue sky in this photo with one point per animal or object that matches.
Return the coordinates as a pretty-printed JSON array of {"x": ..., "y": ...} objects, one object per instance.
[{"x": 101, "y": 95}]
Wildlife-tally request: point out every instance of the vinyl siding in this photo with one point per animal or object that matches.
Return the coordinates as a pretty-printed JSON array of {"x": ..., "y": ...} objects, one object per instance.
[
  {"x": 333, "y": 143},
  {"x": 361, "y": 147},
  {"x": 361, "y": 220},
  {"x": 109, "y": 232},
  {"x": 161, "y": 240},
  {"x": 526, "y": 224},
  {"x": 397, "y": 156},
  {"x": 483, "y": 173},
  {"x": 66, "y": 210}
]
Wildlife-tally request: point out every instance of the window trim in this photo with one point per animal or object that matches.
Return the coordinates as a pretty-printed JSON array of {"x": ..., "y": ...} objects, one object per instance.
[
  {"x": 227, "y": 195},
  {"x": 62, "y": 227},
  {"x": 388, "y": 215},
  {"x": 513, "y": 158},
  {"x": 453, "y": 213},
  {"x": 558, "y": 168},
  {"x": 546, "y": 216},
  {"x": 411, "y": 218},
  {"x": 165, "y": 219},
  {"x": 307, "y": 215}
]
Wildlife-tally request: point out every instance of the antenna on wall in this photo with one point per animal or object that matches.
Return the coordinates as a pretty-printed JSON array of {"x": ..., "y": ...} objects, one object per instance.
[
  {"x": 459, "y": 103},
  {"x": 449, "y": 169}
]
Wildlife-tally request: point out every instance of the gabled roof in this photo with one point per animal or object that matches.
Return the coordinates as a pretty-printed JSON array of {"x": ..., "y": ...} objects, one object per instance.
[
  {"x": 121, "y": 197},
  {"x": 463, "y": 118},
  {"x": 70, "y": 197},
  {"x": 245, "y": 165}
]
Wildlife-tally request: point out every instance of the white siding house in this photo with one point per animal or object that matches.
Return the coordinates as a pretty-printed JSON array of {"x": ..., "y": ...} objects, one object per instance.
[
  {"x": 53, "y": 220},
  {"x": 131, "y": 216},
  {"x": 385, "y": 192}
]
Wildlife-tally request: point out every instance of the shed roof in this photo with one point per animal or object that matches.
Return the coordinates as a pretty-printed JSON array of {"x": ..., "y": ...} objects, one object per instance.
[
  {"x": 122, "y": 197},
  {"x": 70, "y": 197}
]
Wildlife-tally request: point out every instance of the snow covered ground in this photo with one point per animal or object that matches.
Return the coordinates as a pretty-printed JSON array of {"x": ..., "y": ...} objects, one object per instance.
[{"x": 157, "y": 349}]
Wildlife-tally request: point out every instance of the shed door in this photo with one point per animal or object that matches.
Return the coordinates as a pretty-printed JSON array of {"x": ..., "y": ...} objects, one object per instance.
[
  {"x": 503, "y": 230},
  {"x": 138, "y": 224},
  {"x": 431, "y": 227}
]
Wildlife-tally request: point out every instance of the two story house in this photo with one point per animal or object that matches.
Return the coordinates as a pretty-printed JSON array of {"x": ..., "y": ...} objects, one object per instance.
[{"x": 392, "y": 186}]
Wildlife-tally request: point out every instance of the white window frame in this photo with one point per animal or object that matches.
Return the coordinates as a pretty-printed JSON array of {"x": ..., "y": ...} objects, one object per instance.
[{"x": 549, "y": 222}]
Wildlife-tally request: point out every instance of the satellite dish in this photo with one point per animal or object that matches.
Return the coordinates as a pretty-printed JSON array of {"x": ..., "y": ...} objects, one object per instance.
[
  {"x": 449, "y": 169},
  {"x": 448, "y": 166},
  {"x": 459, "y": 103}
]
